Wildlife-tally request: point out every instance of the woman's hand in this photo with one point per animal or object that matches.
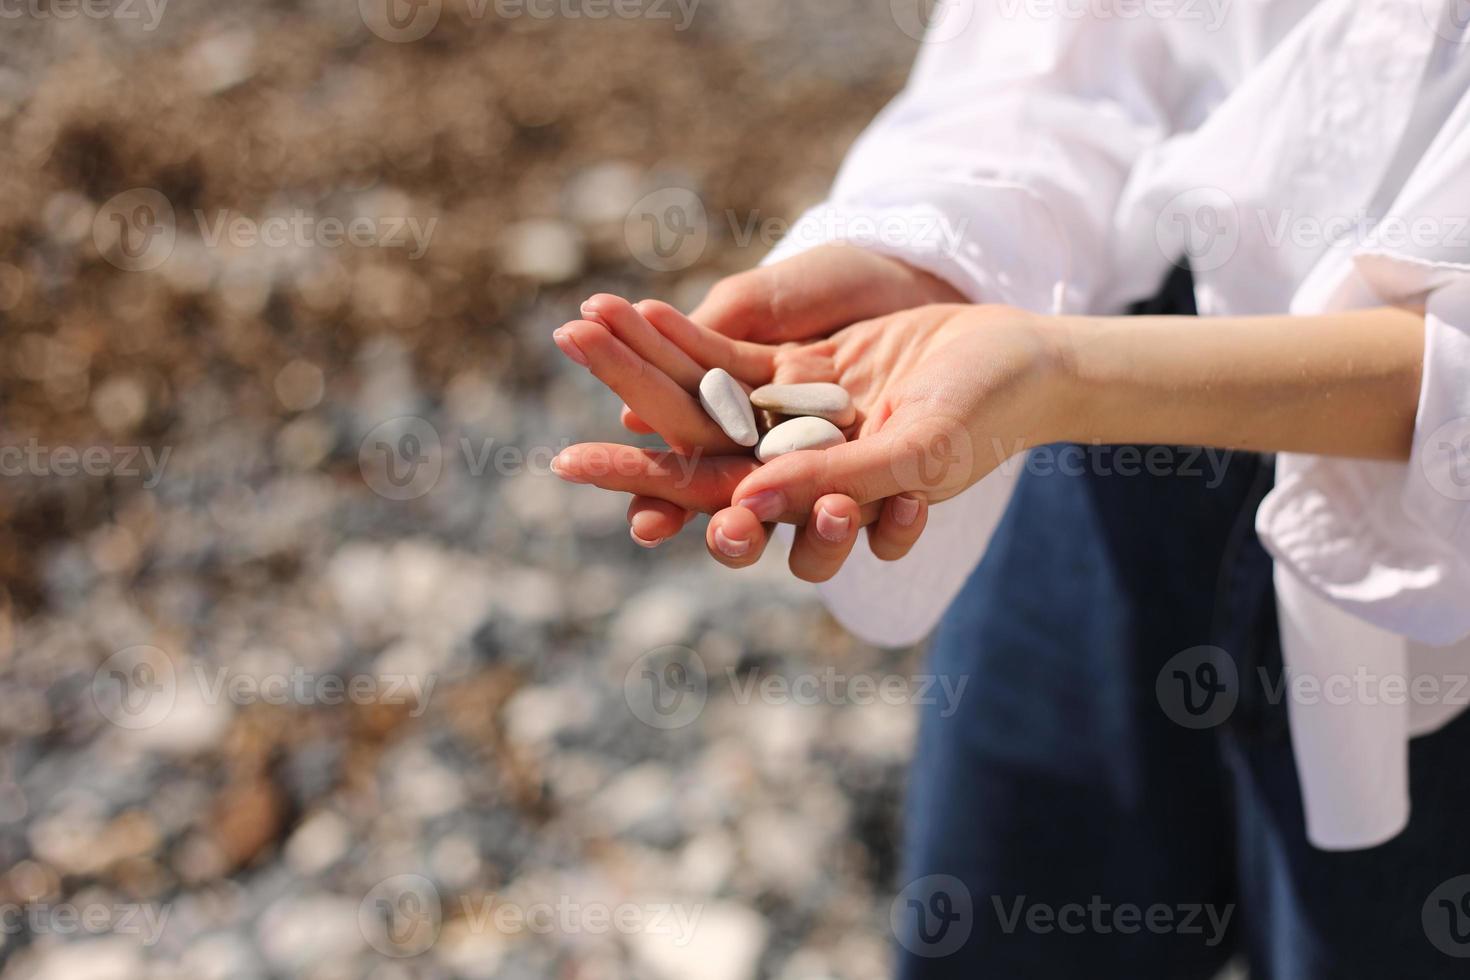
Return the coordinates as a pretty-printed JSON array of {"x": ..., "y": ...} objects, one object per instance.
[
  {"x": 943, "y": 393},
  {"x": 807, "y": 296}
]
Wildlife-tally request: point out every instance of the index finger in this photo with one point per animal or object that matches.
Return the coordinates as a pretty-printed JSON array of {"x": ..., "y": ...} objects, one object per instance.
[{"x": 695, "y": 482}]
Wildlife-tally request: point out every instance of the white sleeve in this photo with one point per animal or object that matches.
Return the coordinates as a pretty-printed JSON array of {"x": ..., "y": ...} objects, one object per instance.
[
  {"x": 999, "y": 166},
  {"x": 997, "y": 169},
  {"x": 1388, "y": 542}
]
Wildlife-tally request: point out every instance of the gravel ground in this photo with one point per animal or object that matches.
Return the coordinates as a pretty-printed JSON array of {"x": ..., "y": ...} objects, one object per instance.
[{"x": 272, "y": 706}]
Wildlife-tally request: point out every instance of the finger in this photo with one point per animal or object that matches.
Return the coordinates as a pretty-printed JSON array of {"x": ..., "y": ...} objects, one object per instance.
[
  {"x": 698, "y": 483},
  {"x": 652, "y": 395},
  {"x": 751, "y": 363},
  {"x": 735, "y": 538},
  {"x": 823, "y": 545},
  {"x": 899, "y": 526},
  {"x": 813, "y": 292},
  {"x": 652, "y": 521},
  {"x": 629, "y": 326},
  {"x": 881, "y": 464},
  {"x": 633, "y": 423}
]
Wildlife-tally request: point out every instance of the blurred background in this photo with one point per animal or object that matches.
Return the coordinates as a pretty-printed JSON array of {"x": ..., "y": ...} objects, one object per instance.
[{"x": 308, "y": 666}]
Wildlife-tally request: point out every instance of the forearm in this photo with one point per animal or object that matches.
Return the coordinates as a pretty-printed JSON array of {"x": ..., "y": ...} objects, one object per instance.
[{"x": 1344, "y": 384}]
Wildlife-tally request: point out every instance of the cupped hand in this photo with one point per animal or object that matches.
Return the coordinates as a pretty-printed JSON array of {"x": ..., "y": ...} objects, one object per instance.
[
  {"x": 943, "y": 393},
  {"x": 806, "y": 296}
]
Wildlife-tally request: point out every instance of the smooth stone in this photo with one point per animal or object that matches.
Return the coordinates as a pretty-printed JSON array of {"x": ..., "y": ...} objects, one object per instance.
[
  {"x": 808, "y": 432},
  {"x": 819, "y": 399},
  {"x": 725, "y": 402}
]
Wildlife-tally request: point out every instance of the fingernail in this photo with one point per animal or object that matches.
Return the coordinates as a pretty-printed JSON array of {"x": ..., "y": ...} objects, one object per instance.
[
  {"x": 905, "y": 510},
  {"x": 728, "y": 546},
  {"x": 560, "y": 469},
  {"x": 591, "y": 313},
  {"x": 766, "y": 505},
  {"x": 645, "y": 542},
  {"x": 832, "y": 528},
  {"x": 568, "y": 346}
]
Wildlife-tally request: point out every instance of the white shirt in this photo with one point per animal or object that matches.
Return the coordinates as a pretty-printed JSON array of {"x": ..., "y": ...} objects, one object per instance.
[{"x": 1305, "y": 156}]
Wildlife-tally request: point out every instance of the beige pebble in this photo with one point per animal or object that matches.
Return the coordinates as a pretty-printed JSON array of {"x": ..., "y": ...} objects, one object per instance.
[
  {"x": 807, "y": 432},
  {"x": 818, "y": 399},
  {"x": 725, "y": 402}
]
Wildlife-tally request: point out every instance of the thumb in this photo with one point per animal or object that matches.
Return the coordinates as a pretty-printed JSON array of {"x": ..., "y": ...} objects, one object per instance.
[
  {"x": 933, "y": 458},
  {"x": 807, "y": 295}
]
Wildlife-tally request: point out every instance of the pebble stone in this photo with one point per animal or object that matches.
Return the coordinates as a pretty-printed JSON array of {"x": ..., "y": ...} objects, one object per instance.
[
  {"x": 819, "y": 399},
  {"x": 807, "y": 432},
  {"x": 726, "y": 403}
]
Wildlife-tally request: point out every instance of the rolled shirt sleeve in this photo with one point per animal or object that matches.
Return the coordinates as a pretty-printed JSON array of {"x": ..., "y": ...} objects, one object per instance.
[{"x": 997, "y": 169}]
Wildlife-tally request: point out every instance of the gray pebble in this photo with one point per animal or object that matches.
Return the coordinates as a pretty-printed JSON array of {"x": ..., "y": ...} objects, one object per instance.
[{"x": 819, "y": 399}]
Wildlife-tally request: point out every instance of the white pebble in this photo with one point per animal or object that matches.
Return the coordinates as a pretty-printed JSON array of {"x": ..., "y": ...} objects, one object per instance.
[
  {"x": 820, "y": 399},
  {"x": 795, "y": 435},
  {"x": 726, "y": 403}
]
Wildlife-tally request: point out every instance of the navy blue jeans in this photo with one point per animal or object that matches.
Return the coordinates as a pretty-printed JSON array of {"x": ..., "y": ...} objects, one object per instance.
[{"x": 1082, "y": 817}]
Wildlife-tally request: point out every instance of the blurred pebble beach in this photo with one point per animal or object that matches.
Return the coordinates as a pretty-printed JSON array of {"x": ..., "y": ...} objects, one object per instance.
[{"x": 260, "y": 684}]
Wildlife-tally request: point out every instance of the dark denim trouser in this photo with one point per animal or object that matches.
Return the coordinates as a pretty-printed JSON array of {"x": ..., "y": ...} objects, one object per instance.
[{"x": 1064, "y": 824}]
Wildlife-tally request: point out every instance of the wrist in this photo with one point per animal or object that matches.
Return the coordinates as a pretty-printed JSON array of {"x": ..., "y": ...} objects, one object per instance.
[{"x": 1063, "y": 411}]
